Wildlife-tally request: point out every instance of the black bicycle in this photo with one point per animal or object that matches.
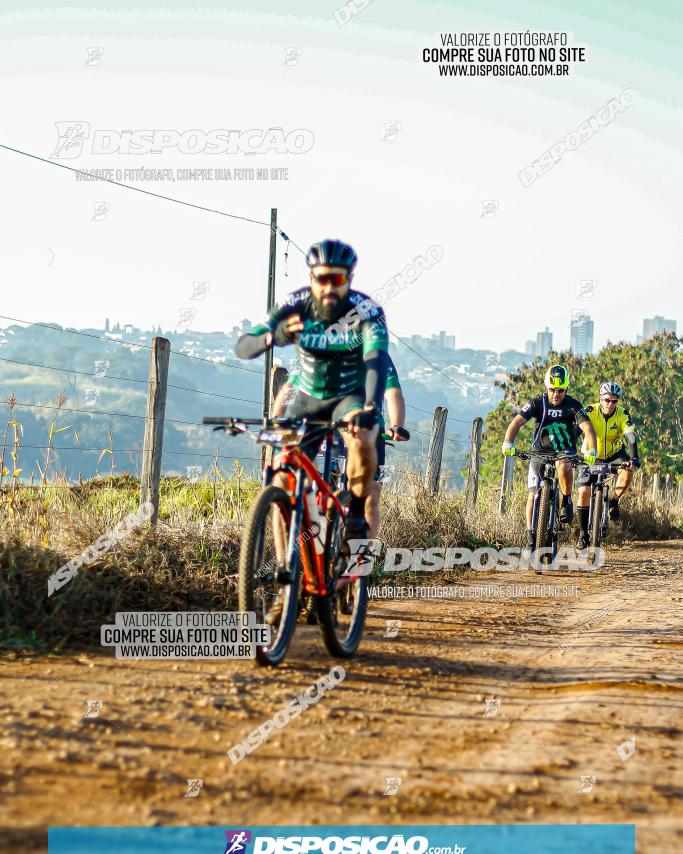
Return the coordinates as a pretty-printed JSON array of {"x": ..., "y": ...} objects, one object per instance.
[
  {"x": 598, "y": 513},
  {"x": 545, "y": 518}
]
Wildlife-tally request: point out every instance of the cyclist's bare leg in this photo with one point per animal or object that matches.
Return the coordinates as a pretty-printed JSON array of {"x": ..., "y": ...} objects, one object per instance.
[
  {"x": 529, "y": 508},
  {"x": 372, "y": 509},
  {"x": 565, "y": 476},
  {"x": 584, "y": 498},
  {"x": 361, "y": 462},
  {"x": 624, "y": 479}
]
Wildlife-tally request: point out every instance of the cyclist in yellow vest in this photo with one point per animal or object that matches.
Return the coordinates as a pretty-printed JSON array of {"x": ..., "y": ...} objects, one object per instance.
[{"x": 616, "y": 443}]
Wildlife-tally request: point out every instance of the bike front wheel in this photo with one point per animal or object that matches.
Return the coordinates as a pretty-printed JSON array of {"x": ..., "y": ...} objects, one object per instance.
[
  {"x": 543, "y": 537},
  {"x": 341, "y": 615},
  {"x": 596, "y": 521},
  {"x": 264, "y": 579}
]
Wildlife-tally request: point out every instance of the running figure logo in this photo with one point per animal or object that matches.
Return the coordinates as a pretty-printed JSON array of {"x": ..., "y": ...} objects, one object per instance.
[
  {"x": 237, "y": 841},
  {"x": 70, "y": 139}
]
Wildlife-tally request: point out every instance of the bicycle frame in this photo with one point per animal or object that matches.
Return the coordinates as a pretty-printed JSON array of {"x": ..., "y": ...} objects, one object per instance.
[
  {"x": 295, "y": 462},
  {"x": 603, "y": 474}
]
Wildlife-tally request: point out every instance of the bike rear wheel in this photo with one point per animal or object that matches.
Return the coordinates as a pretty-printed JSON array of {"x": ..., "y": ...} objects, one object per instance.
[
  {"x": 341, "y": 615},
  {"x": 263, "y": 583}
]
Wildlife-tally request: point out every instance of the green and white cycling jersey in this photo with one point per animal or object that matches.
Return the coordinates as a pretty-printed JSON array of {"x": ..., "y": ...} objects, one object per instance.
[
  {"x": 392, "y": 375},
  {"x": 331, "y": 355}
]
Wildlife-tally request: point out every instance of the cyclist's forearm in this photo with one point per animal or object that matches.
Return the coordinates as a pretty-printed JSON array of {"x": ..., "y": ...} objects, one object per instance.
[
  {"x": 252, "y": 346},
  {"x": 513, "y": 428},
  {"x": 376, "y": 366},
  {"x": 589, "y": 433},
  {"x": 396, "y": 407},
  {"x": 631, "y": 445}
]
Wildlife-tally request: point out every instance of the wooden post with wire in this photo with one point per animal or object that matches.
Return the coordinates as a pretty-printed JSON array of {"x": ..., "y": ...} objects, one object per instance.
[
  {"x": 472, "y": 488},
  {"x": 270, "y": 302},
  {"x": 655, "y": 486},
  {"x": 506, "y": 483},
  {"x": 279, "y": 377},
  {"x": 150, "y": 477},
  {"x": 435, "y": 452}
]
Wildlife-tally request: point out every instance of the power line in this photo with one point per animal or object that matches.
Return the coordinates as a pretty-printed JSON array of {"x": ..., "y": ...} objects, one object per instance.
[
  {"x": 427, "y": 412},
  {"x": 129, "y": 344},
  {"x": 126, "y": 379},
  {"x": 425, "y": 359},
  {"x": 137, "y": 189},
  {"x": 131, "y": 450},
  {"x": 101, "y": 412}
]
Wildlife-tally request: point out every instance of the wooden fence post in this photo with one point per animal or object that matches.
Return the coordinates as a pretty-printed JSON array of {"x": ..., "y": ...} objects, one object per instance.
[
  {"x": 655, "y": 486},
  {"x": 475, "y": 458},
  {"x": 278, "y": 378},
  {"x": 679, "y": 497},
  {"x": 436, "y": 448},
  {"x": 154, "y": 424},
  {"x": 506, "y": 483},
  {"x": 668, "y": 494}
]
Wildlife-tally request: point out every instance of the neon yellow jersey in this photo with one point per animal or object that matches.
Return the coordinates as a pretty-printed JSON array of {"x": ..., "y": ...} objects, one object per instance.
[{"x": 609, "y": 430}]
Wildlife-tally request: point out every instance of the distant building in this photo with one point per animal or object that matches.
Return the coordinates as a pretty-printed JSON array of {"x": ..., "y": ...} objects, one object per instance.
[
  {"x": 246, "y": 325},
  {"x": 530, "y": 348},
  {"x": 450, "y": 342},
  {"x": 654, "y": 325},
  {"x": 581, "y": 334},
  {"x": 544, "y": 343}
]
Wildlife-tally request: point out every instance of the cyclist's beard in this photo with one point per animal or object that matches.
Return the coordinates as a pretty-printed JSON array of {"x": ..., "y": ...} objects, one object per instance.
[{"x": 331, "y": 312}]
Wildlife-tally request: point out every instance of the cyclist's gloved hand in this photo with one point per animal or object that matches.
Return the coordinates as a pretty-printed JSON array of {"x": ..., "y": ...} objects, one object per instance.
[
  {"x": 591, "y": 456},
  {"x": 635, "y": 462},
  {"x": 287, "y": 330},
  {"x": 508, "y": 449},
  {"x": 366, "y": 419},
  {"x": 399, "y": 434}
]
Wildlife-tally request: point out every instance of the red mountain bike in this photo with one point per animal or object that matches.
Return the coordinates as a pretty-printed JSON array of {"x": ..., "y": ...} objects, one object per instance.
[{"x": 295, "y": 536}]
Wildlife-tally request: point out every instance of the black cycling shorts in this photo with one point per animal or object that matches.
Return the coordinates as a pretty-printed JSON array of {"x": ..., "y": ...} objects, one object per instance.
[
  {"x": 331, "y": 408},
  {"x": 585, "y": 478}
]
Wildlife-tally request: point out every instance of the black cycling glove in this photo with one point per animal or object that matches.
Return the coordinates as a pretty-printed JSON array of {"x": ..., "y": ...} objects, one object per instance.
[
  {"x": 402, "y": 432},
  {"x": 280, "y": 337}
]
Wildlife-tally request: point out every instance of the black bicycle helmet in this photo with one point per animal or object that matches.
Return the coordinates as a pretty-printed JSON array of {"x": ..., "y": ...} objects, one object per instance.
[{"x": 332, "y": 253}]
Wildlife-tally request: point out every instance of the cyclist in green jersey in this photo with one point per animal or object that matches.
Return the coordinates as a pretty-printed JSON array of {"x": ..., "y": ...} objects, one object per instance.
[{"x": 342, "y": 345}]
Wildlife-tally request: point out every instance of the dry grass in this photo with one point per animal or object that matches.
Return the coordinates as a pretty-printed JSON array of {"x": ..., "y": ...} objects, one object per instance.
[{"x": 190, "y": 560}]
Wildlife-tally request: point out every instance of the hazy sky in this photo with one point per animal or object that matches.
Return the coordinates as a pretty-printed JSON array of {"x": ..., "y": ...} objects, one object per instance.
[{"x": 609, "y": 211}]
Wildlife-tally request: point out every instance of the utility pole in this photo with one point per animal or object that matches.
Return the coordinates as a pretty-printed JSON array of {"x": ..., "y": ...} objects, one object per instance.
[{"x": 270, "y": 302}]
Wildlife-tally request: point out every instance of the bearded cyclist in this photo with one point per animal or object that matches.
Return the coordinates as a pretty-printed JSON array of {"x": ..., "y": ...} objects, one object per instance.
[
  {"x": 557, "y": 415},
  {"x": 342, "y": 346},
  {"x": 616, "y": 444}
]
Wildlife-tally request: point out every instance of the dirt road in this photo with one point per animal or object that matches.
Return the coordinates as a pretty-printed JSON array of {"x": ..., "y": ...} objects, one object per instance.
[{"x": 489, "y": 710}]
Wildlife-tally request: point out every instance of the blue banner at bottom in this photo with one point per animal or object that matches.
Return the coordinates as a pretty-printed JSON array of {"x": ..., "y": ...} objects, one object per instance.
[{"x": 347, "y": 839}]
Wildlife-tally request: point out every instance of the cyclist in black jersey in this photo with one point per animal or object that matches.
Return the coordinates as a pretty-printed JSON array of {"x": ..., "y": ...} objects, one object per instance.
[
  {"x": 342, "y": 343},
  {"x": 558, "y": 418}
]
